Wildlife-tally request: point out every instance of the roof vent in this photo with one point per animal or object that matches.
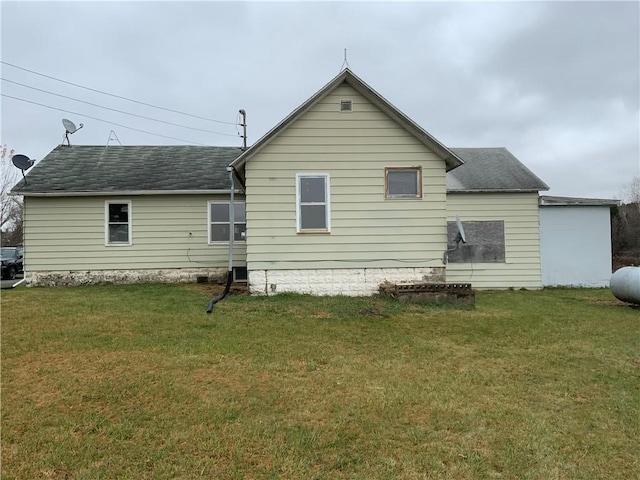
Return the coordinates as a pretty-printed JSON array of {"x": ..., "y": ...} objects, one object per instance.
[{"x": 346, "y": 106}]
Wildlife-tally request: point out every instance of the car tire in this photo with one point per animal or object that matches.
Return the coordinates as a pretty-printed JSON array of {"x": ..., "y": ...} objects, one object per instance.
[{"x": 11, "y": 273}]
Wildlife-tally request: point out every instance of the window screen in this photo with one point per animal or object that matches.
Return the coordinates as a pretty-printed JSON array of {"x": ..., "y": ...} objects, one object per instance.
[
  {"x": 118, "y": 223},
  {"x": 219, "y": 221},
  {"x": 313, "y": 203},
  {"x": 403, "y": 183}
]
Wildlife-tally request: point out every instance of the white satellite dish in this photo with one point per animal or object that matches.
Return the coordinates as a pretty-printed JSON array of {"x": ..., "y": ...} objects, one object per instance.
[
  {"x": 70, "y": 127},
  {"x": 461, "y": 237}
]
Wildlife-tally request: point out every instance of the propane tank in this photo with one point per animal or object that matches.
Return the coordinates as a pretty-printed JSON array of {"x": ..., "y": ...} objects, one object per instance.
[{"x": 625, "y": 284}]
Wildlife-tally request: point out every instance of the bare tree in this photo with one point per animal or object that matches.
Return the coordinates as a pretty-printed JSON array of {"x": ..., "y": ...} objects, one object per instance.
[
  {"x": 631, "y": 193},
  {"x": 625, "y": 226},
  {"x": 11, "y": 206}
]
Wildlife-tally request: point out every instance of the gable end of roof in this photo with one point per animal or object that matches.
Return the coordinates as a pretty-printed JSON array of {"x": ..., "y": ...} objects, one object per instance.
[{"x": 451, "y": 159}]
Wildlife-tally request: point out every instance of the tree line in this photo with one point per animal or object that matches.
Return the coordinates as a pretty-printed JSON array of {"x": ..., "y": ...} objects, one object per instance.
[{"x": 625, "y": 227}]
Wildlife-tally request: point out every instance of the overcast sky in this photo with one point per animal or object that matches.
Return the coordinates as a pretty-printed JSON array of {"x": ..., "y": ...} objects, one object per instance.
[{"x": 558, "y": 84}]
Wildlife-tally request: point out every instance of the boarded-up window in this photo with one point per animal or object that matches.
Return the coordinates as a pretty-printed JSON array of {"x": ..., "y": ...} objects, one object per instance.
[{"x": 485, "y": 242}]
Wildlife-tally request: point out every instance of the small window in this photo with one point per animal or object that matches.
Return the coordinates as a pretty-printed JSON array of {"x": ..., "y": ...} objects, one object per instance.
[
  {"x": 219, "y": 221},
  {"x": 118, "y": 223},
  {"x": 312, "y": 195},
  {"x": 240, "y": 274},
  {"x": 403, "y": 183},
  {"x": 346, "y": 106}
]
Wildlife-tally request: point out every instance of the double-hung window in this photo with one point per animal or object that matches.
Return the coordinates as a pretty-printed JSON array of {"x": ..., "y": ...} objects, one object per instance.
[
  {"x": 312, "y": 200},
  {"x": 219, "y": 223},
  {"x": 403, "y": 182},
  {"x": 118, "y": 222}
]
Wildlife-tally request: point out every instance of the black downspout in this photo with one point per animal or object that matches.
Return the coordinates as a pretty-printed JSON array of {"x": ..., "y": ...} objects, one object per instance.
[
  {"x": 231, "y": 235},
  {"x": 223, "y": 294}
]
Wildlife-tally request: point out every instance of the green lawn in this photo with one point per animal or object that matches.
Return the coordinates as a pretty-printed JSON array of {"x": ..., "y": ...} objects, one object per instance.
[{"x": 138, "y": 382}]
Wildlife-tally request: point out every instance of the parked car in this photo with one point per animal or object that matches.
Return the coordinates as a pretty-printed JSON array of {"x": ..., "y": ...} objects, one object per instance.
[{"x": 12, "y": 259}]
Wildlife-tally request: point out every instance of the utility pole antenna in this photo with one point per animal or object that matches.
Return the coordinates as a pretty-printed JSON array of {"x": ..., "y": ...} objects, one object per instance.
[
  {"x": 112, "y": 134},
  {"x": 345, "y": 63},
  {"x": 244, "y": 129}
]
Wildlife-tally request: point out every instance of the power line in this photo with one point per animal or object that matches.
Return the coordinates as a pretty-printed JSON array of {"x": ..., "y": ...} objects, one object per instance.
[
  {"x": 114, "y": 95},
  {"x": 104, "y": 121},
  {"x": 116, "y": 110}
]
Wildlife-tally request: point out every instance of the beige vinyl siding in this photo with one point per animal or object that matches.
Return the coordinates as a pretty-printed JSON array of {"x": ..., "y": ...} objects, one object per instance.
[
  {"x": 367, "y": 230},
  {"x": 519, "y": 211},
  {"x": 168, "y": 231}
]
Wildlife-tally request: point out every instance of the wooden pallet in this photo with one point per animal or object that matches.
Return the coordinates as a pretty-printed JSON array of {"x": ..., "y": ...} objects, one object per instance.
[{"x": 437, "y": 293}]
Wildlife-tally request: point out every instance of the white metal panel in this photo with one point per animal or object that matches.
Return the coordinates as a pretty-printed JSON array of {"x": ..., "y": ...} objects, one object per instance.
[{"x": 575, "y": 243}]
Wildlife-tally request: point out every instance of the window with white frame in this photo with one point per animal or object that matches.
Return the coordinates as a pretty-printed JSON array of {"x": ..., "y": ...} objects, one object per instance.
[
  {"x": 403, "y": 182},
  {"x": 312, "y": 199},
  {"x": 219, "y": 224},
  {"x": 118, "y": 222}
]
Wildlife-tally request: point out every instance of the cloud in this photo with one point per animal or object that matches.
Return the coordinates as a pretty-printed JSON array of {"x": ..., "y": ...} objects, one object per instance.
[{"x": 556, "y": 82}]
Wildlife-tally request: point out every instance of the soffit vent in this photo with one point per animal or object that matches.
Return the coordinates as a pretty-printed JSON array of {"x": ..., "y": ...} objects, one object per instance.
[{"x": 346, "y": 106}]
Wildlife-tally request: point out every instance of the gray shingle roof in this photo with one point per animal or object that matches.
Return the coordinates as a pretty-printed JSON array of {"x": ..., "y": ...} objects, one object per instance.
[
  {"x": 491, "y": 169},
  {"x": 95, "y": 169}
]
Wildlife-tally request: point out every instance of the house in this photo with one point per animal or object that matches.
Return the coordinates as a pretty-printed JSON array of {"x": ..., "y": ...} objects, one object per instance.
[
  {"x": 127, "y": 214},
  {"x": 344, "y": 194},
  {"x": 575, "y": 241}
]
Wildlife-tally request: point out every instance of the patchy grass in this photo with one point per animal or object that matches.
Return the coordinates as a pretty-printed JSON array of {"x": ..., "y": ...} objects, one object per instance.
[{"x": 137, "y": 382}]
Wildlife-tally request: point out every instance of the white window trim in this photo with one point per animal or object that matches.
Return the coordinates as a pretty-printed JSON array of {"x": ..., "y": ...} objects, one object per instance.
[
  {"x": 209, "y": 222},
  {"x": 327, "y": 203},
  {"x": 107, "y": 243},
  {"x": 419, "y": 184}
]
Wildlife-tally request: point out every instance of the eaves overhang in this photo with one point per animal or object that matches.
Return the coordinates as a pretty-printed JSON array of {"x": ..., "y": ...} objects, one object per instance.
[
  {"x": 497, "y": 190},
  {"x": 121, "y": 193},
  {"x": 555, "y": 201}
]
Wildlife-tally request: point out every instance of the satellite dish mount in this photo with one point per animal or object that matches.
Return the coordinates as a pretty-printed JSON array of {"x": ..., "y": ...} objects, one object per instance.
[
  {"x": 23, "y": 163},
  {"x": 460, "y": 237},
  {"x": 69, "y": 128}
]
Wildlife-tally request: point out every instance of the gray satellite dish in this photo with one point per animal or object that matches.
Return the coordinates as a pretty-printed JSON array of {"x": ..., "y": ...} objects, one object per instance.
[
  {"x": 23, "y": 163},
  {"x": 70, "y": 127},
  {"x": 461, "y": 237}
]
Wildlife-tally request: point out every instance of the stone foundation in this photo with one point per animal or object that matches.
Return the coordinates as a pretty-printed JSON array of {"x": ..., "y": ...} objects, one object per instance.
[
  {"x": 348, "y": 281},
  {"x": 122, "y": 277}
]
